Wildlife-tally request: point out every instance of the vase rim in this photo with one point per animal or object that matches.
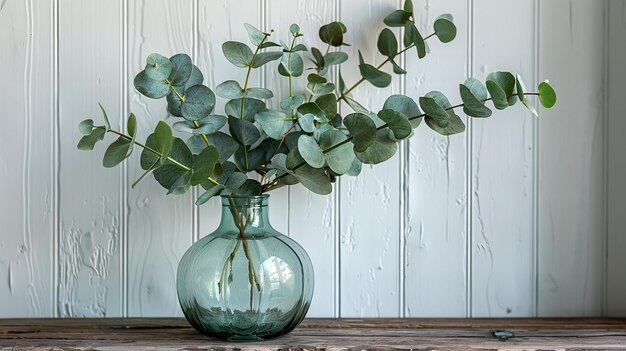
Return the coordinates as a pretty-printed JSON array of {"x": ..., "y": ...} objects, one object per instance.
[{"x": 262, "y": 196}]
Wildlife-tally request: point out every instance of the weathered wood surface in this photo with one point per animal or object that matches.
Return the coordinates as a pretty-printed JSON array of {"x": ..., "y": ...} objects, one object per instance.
[{"x": 319, "y": 334}]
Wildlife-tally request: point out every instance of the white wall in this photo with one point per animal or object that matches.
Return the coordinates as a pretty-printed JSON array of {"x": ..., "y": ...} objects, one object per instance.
[{"x": 518, "y": 217}]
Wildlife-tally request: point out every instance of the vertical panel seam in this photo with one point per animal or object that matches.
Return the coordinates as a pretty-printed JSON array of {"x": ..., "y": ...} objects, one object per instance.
[
  {"x": 195, "y": 213},
  {"x": 536, "y": 126},
  {"x": 403, "y": 205},
  {"x": 56, "y": 230},
  {"x": 469, "y": 164},
  {"x": 337, "y": 217},
  {"x": 605, "y": 157},
  {"x": 124, "y": 167}
]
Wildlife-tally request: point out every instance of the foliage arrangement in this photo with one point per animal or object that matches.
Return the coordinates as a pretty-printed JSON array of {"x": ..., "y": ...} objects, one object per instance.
[{"x": 306, "y": 140}]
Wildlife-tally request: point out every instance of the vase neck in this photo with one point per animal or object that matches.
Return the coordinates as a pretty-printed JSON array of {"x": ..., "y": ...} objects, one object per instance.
[{"x": 245, "y": 213}]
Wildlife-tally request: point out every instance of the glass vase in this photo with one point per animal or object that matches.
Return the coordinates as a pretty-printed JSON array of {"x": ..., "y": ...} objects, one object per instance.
[{"x": 245, "y": 281}]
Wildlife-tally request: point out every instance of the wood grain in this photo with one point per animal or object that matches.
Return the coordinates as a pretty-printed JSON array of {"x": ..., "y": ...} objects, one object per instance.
[{"x": 315, "y": 334}]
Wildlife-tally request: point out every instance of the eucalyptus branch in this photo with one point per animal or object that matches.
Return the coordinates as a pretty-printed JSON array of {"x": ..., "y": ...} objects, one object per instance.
[
  {"x": 350, "y": 138},
  {"x": 182, "y": 100},
  {"x": 155, "y": 152}
]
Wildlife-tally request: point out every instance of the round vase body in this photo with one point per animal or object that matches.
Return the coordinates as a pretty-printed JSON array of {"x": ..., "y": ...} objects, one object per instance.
[{"x": 245, "y": 281}]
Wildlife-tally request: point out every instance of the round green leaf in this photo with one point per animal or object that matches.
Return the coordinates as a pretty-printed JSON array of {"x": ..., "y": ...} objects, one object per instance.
[
  {"x": 294, "y": 29},
  {"x": 292, "y": 102},
  {"x": 387, "y": 43},
  {"x": 163, "y": 140},
  {"x": 158, "y": 67},
  {"x": 226, "y": 145},
  {"x": 381, "y": 150},
  {"x": 88, "y": 142},
  {"x": 239, "y": 54},
  {"x": 204, "y": 164},
  {"x": 250, "y": 188},
  {"x": 243, "y": 131},
  {"x": 195, "y": 78},
  {"x": 445, "y": 28},
  {"x": 291, "y": 65},
  {"x": 274, "y": 123},
  {"x": 332, "y": 33},
  {"x": 433, "y": 109},
  {"x": 85, "y": 127},
  {"x": 335, "y": 58},
  {"x": 230, "y": 89},
  {"x": 377, "y": 77},
  {"x": 413, "y": 36},
  {"x": 250, "y": 108},
  {"x": 149, "y": 87},
  {"x": 255, "y": 35},
  {"x": 455, "y": 125},
  {"x": 328, "y": 104},
  {"x": 339, "y": 158},
  {"x": 473, "y": 94},
  {"x": 212, "y": 191},
  {"x": 362, "y": 129},
  {"x": 397, "y": 122},
  {"x": 260, "y": 93},
  {"x": 506, "y": 82},
  {"x": 547, "y": 95},
  {"x": 311, "y": 151},
  {"x": 265, "y": 57},
  {"x": 397, "y": 18},
  {"x": 199, "y": 102},
  {"x": 498, "y": 95},
  {"x": 316, "y": 180},
  {"x": 169, "y": 174},
  {"x": 404, "y": 105},
  {"x": 181, "y": 69},
  {"x": 208, "y": 125}
]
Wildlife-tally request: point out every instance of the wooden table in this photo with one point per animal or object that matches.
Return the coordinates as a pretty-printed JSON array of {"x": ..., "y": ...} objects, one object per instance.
[{"x": 320, "y": 334}]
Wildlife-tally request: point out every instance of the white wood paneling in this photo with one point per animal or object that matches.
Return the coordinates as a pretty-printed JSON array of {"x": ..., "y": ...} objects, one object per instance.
[
  {"x": 502, "y": 168},
  {"x": 311, "y": 216},
  {"x": 436, "y": 235},
  {"x": 571, "y": 168},
  {"x": 518, "y": 217},
  {"x": 89, "y": 208},
  {"x": 369, "y": 211},
  {"x": 26, "y": 167},
  {"x": 616, "y": 277}
]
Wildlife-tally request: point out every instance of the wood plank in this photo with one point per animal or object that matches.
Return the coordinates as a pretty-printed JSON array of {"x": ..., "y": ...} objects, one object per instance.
[
  {"x": 311, "y": 216},
  {"x": 572, "y": 199},
  {"x": 502, "y": 168},
  {"x": 26, "y": 211},
  {"x": 369, "y": 204},
  {"x": 435, "y": 334},
  {"x": 616, "y": 126},
  {"x": 435, "y": 184},
  {"x": 160, "y": 227},
  {"x": 89, "y": 272}
]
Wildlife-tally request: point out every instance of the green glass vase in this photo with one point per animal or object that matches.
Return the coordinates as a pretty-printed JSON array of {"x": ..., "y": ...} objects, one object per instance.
[{"x": 245, "y": 281}]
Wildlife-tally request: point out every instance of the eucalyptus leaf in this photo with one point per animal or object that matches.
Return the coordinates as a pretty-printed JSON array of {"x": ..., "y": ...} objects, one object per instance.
[
  {"x": 397, "y": 122},
  {"x": 335, "y": 58},
  {"x": 86, "y": 127},
  {"x": 339, "y": 154},
  {"x": 265, "y": 57},
  {"x": 196, "y": 77},
  {"x": 131, "y": 127},
  {"x": 294, "y": 29},
  {"x": 243, "y": 131},
  {"x": 397, "y": 18},
  {"x": 473, "y": 94},
  {"x": 375, "y": 76},
  {"x": 116, "y": 152},
  {"x": 506, "y": 81},
  {"x": 163, "y": 140},
  {"x": 239, "y": 54},
  {"x": 291, "y": 65},
  {"x": 158, "y": 67},
  {"x": 404, "y": 105},
  {"x": 250, "y": 108},
  {"x": 362, "y": 129},
  {"x": 234, "y": 182},
  {"x": 180, "y": 185},
  {"x": 387, "y": 43},
  {"x": 169, "y": 174},
  {"x": 311, "y": 152},
  {"x": 292, "y": 102},
  {"x": 260, "y": 93},
  {"x": 434, "y": 110},
  {"x": 204, "y": 164},
  {"x": 206, "y": 196},
  {"x": 230, "y": 89},
  {"x": 316, "y": 180},
  {"x": 181, "y": 69},
  {"x": 455, "y": 125},
  {"x": 413, "y": 36},
  {"x": 498, "y": 96},
  {"x": 250, "y": 161},
  {"x": 149, "y": 87},
  {"x": 319, "y": 89},
  {"x": 250, "y": 187},
  {"x": 381, "y": 150},
  {"x": 332, "y": 33},
  {"x": 255, "y": 35},
  {"x": 328, "y": 104},
  {"x": 198, "y": 104},
  {"x": 547, "y": 95},
  {"x": 445, "y": 28},
  {"x": 273, "y": 122},
  {"x": 208, "y": 125},
  {"x": 313, "y": 109},
  {"x": 225, "y": 145},
  {"x": 306, "y": 122}
]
